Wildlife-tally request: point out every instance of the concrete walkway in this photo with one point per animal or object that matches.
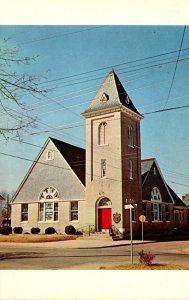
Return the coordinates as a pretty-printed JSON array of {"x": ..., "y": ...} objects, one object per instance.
[{"x": 76, "y": 244}]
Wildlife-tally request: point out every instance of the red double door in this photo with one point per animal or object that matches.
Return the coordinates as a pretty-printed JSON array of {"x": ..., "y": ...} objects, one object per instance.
[{"x": 104, "y": 218}]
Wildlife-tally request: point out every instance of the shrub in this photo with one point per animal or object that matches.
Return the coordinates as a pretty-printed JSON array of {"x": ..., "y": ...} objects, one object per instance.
[
  {"x": 35, "y": 230},
  {"x": 18, "y": 230},
  {"x": 146, "y": 258},
  {"x": 79, "y": 233},
  {"x": 6, "y": 230},
  {"x": 50, "y": 230},
  {"x": 70, "y": 229}
]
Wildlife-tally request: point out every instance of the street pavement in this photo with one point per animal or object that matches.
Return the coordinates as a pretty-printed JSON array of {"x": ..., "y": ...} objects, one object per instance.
[{"x": 86, "y": 254}]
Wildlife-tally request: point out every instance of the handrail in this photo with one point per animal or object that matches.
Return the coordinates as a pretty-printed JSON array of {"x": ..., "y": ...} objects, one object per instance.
[
  {"x": 116, "y": 231},
  {"x": 90, "y": 229}
]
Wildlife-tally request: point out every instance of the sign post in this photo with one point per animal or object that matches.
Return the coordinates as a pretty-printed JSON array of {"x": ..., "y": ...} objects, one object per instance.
[
  {"x": 131, "y": 206},
  {"x": 142, "y": 219}
]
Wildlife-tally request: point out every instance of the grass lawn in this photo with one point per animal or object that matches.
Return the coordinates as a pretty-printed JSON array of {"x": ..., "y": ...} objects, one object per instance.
[
  {"x": 34, "y": 238},
  {"x": 143, "y": 267}
]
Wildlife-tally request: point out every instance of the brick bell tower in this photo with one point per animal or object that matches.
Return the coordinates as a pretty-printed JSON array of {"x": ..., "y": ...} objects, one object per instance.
[{"x": 113, "y": 158}]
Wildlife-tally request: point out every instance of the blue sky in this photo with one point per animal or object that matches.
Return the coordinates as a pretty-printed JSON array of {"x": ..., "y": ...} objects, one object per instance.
[{"x": 74, "y": 60}]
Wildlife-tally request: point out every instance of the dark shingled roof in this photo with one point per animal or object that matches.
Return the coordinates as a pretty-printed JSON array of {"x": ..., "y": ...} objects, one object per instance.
[
  {"x": 115, "y": 93},
  {"x": 75, "y": 156},
  {"x": 146, "y": 165},
  {"x": 176, "y": 198}
]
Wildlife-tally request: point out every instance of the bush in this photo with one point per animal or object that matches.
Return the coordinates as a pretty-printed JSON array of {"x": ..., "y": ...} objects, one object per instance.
[
  {"x": 50, "y": 230},
  {"x": 6, "y": 230},
  {"x": 146, "y": 258},
  {"x": 79, "y": 233},
  {"x": 70, "y": 229},
  {"x": 18, "y": 230},
  {"x": 35, "y": 230}
]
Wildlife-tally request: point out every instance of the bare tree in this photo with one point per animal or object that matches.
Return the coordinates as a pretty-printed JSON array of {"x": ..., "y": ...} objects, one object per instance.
[
  {"x": 14, "y": 85},
  {"x": 6, "y": 207}
]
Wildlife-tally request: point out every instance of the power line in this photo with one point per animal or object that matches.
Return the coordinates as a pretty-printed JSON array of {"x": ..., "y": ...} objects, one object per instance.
[
  {"x": 114, "y": 66},
  {"x": 175, "y": 67},
  {"x": 165, "y": 109},
  {"x": 63, "y": 34}
]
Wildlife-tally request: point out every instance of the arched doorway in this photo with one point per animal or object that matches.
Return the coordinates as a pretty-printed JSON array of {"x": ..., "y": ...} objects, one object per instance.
[{"x": 104, "y": 214}]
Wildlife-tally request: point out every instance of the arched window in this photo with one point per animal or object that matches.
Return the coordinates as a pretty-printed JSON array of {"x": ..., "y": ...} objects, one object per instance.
[
  {"x": 155, "y": 195},
  {"x": 104, "y": 202},
  {"x": 156, "y": 204},
  {"x": 102, "y": 133},
  {"x": 130, "y": 169},
  {"x": 48, "y": 206},
  {"x": 130, "y": 136}
]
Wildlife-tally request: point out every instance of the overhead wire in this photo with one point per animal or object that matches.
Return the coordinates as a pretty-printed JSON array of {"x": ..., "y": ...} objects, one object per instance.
[{"x": 173, "y": 78}]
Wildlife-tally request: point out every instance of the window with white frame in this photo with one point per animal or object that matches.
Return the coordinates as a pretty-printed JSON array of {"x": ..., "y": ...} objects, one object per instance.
[
  {"x": 74, "y": 211},
  {"x": 48, "y": 206},
  {"x": 156, "y": 204},
  {"x": 24, "y": 212},
  {"x": 103, "y": 168},
  {"x": 130, "y": 136},
  {"x": 130, "y": 169},
  {"x": 157, "y": 215},
  {"x": 102, "y": 133},
  {"x": 48, "y": 211}
]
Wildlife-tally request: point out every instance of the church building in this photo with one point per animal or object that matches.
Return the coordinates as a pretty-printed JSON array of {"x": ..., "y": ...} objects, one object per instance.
[{"x": 67, "y": 185}]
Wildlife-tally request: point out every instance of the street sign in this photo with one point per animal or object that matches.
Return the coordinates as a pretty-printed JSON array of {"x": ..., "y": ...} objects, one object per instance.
[
  {"x": 142, "y": 218},
  {"x": 128, "y": 206}
]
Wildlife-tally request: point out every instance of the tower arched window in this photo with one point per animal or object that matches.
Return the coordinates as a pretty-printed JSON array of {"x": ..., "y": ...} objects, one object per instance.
[
  {"x": 130, "y": 169},
  {"x": 102, "y": 133},
  {"x": 48, "y": 205},
  {"x": 130, "y": 136}
]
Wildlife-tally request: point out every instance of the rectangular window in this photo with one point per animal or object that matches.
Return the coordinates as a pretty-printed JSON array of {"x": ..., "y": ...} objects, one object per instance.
[
  {"x": 74, "y": 211},
  {"x": 133, "y": 213},
  {"x": 167, "y": 213},
  {"x": 157, "y": 215},
  {"x": 103, "y": 168},
  {"x": 24, "y": 212},
  {"x": 176, "y": 217},
  {"x": 48, "y": 211},
  {"x": 49, "y": 155},
  {"x": 144, "y": 209}
]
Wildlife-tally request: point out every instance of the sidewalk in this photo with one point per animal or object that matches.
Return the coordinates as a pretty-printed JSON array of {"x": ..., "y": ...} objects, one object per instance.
[{"x": 77, "y": 244}]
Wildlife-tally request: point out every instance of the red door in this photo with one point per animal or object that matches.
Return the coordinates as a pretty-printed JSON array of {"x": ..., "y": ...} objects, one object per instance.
[{"x": 104, "y": 218}]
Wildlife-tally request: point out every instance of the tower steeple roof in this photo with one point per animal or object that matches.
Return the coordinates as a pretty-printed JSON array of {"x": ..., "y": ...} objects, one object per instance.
[{"x": 111, "y": 94}]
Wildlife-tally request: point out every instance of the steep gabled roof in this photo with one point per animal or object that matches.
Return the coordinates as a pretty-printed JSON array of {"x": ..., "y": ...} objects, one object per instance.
[
  {"x": 75, "y": 157},
  {"x": 114, "y": 93},
  {"x": 176, "y": 198},
  {"x": 1, "y": 198},
  {"x": 146, "y": 165}
]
